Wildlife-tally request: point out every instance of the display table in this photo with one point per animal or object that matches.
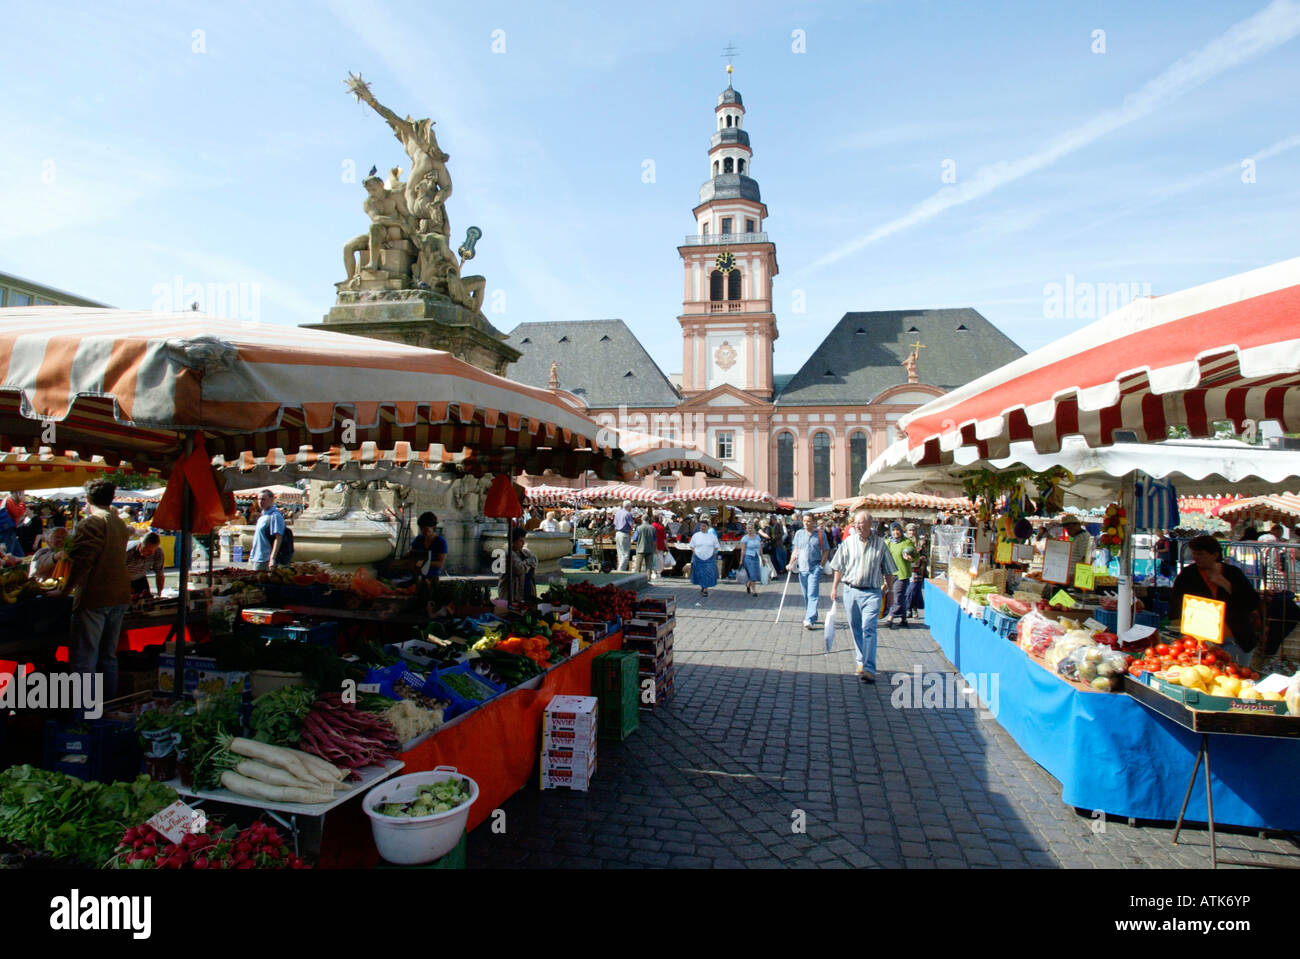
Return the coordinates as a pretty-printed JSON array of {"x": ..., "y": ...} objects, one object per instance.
[
  {"x": 497, "y": 745},
  {"x": 1108, "y": 751}
]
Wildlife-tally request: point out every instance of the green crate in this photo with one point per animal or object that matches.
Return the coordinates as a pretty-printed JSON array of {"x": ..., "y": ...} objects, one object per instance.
[{"x": 615, "y": 683}]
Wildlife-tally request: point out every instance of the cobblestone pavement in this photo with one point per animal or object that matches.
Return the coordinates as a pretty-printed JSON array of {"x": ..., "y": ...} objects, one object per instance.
[{"x": 766, "y": 730}]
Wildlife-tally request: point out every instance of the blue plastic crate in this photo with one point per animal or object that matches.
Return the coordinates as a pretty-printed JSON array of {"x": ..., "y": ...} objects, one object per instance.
[
  {"x": 1110, "y": 618},
  {"x": 110, "y": 748},
  {"x": 459, "y": 704},
  {"x": 1002, "y": 624}
]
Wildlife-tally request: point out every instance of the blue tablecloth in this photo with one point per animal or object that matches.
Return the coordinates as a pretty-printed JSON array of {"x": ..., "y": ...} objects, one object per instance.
[{"x": 1110, "y": 752}]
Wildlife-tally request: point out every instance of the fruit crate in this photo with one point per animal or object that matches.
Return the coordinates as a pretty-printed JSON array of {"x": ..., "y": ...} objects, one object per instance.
[
  {"x": 105, "y": 750},
  {"x": 436, "y": 686},
  {"x": 651, "y": 628},
  {"x": 656, "y": 606},
  {"x": 614, "y": 681},
  {"x": 1195, "y": 699},
  {"x": 645, "y": 645},
  {"x": 1002, "y": 624}
]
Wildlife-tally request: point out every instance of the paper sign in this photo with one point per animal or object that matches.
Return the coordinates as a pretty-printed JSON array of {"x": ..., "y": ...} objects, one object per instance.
[
  {"x": 1023, "y": 553},
  {"x": 575, "y": 648},
  {"x": 1093, "y": 626},
  {"x": 367, "y": 687},
  {"x": 975, "y": 564},
  {"x": 1203, "y": 618},
  {"x": 1062, "y": 598},
  {"x": 983, "y": 539},
  {"x": 1056, "y": 562},
  {"x": 1004, "y": 552},
  {"x": 178, "y": 820},
  {"x": 1084, "y": 577},
  {"x": 1135, "y": 634},
  {"x": 1275, "y": 683}
]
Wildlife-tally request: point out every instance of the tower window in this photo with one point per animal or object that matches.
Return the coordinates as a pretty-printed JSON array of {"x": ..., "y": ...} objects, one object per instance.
[
  {"x": 749, "y": 224},
  {"x": 785, "y": 464},
  {"x": 715, "y": 167},
  {"x": 715, "y": 286},
  {"x": 704, "y": 227},
  {"x": 627, "y": 374},
  {"x": 728, "y": 121},
  {"x": 740, "y": 166},
  {"x": 733, "y": 285},
  {"x": 857, "y": 457},
  {"x": 726, "y": 220},
  {"x": 861, "y": 332},
  {"x": 728, "y": 166}
]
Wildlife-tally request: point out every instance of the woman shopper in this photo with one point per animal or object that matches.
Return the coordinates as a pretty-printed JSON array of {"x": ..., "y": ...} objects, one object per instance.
[
  {"x": 752, "y": 561},
  {"x": 704, "y": 558}
]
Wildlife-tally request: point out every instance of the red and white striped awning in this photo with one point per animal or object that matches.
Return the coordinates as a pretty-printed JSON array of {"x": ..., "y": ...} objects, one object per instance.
[
  {"x": 618, "y": 492},
  {"x": 21, "y": 470},
  {"x": 725, "y": 496},
  {"x": 1227, "y": 350},
  {"x": 901, "y": 501},
  {"x": 124, "y": 383},
  {"x": 553, "y": 496},
  {"x": 1278, "y": 508}
]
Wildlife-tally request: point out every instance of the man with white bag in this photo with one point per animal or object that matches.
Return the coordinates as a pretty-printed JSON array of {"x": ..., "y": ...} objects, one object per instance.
[{"x": 862, "y": 562}]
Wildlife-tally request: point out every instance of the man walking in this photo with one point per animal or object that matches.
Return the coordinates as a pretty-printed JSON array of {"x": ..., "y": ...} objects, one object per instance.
[
  {"x": 862, "y": 562},
  {"x": 101, "y": 586},
  {"x": 903, "y": 551},
  {"x": 810, "y": 551},
  {"x": 623, "y": 534},
  {"x": 645, "y": 546}
]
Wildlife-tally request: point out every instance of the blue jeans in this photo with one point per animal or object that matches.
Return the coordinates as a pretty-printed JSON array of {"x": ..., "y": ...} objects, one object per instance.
[
  {"x": 810, "y": 583},
  {"x": 93, "y": 643},
  {"x": 863, "y": 607}
]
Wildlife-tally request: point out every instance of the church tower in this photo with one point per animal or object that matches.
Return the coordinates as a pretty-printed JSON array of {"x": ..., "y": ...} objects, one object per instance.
[{"x": 728, "y": 326}]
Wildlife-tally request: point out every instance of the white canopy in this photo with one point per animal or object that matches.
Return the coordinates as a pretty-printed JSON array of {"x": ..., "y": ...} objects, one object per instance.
[{"x": 1195, "y": 467}]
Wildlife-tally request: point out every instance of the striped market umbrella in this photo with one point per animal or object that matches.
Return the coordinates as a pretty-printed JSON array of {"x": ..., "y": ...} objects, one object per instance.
[
  {"x": 44, "y": 470},
  {"x": 618, "y": 492},
  {"x": 131, "y": 384},
  {"x": 1227, "y": 350},
  {"x": 740, "y": 496},
  {"x": 1278, "y": 508},
  {"x": 553, "y": 496},
  {"x": 647, "y": 454}
]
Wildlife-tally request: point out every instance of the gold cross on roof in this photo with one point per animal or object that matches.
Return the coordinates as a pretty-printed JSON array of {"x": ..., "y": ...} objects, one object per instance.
[{"x": 917, "y": 347}]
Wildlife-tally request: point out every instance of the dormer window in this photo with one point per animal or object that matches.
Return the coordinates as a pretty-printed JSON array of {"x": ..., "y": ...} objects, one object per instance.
[
  {"x": 627, "y": 374},
  {"x": 525, "y": 340},
  {"x": 961, "y": 328},
  {"x": 564, "y": 339},
  {"x": 913, "y": 329},
  {"x": 605, "y": 338}
]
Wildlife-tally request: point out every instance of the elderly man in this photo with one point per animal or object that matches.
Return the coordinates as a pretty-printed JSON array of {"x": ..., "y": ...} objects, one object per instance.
[
  {"x": 810, "y": 549},
  {"x": 862, "y": 562},
  {"x": 623, "y": 525},
  {"x": 47, "y": 556}
]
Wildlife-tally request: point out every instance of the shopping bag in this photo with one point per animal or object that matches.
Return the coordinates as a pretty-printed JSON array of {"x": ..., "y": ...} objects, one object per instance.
[
  {"x": 669, "y": 561},
  {"x": 830, "y": 627},
  {"x": 765, "y": 571},
  {"x": 742, "y": 578}
]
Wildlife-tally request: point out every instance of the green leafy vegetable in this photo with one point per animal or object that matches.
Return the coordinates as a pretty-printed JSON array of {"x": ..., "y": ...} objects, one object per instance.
[{"x": 277, "y": 716}]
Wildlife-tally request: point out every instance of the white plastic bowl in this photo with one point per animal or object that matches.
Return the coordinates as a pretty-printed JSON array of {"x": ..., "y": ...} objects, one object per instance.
[{"x": 415, "y": 840}]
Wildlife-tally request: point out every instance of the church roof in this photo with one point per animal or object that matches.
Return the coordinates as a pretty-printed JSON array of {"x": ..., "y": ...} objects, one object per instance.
[
  {"x": 863, "y": 355},
  {"x": 730, "y": 95},
  {"x": 600, "y": 361}
]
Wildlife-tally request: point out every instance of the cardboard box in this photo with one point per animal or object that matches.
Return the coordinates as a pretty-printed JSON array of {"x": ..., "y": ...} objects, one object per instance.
[
  {"x": 201, "y": 676},
  {"x": 654, "y": 629},
  {"x": 570, "y": 712},
  {"x": 571, "y": 759},
  {"x": 266, "y": 616},
  {"x": 569, "y": 739},
  {"x": 567, "y": 778}
]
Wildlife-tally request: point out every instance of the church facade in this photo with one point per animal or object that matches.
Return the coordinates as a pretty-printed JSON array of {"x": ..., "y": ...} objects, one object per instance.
[{"x": 806, "y": 437}]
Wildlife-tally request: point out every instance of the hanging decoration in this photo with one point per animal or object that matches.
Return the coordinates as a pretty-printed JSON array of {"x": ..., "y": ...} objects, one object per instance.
[{"x": 1113, "y": 526}]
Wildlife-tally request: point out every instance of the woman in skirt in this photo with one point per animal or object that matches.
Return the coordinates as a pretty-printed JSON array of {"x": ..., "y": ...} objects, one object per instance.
[{"x": 704, "y": 557}]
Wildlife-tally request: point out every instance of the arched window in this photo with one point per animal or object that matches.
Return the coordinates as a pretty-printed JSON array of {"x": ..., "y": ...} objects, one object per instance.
[
  {"x": 727, "y": 165},
  {"x": 822, "y": 466},
  {"x": 857, "y": 459},
  {"x": 785, "y": 464},
  {"x": 740, "y": 166},
  {"x": 715, "y": 285},
  {"x": 715, "y": 167},
  {"x": 733, "y": 285},
  {"x": 728, "y": 121}
]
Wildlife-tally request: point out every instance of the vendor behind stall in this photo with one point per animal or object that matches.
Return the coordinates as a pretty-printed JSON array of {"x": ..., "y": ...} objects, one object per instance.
[
  {"x": 1209, "y": 576},
  {"x": 47, "y": 554},
  {"x": 1080, "y": 540},
  {"x": 429, "y": 548},
  {"x": 142, "y": 557}
]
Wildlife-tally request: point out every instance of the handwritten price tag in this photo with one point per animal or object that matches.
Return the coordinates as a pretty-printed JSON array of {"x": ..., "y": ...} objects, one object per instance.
[
  {"x": 1004, "y": 552},
  {"x": 1062, "y": 598},
  {"x": 1203, "y": 618},
  {"x": 178, "y": 820},
  {"x": 1084, "y": 577}
]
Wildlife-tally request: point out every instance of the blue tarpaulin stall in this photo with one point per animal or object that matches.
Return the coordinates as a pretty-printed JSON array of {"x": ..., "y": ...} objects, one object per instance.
[{"x": 1108, "y": 751}]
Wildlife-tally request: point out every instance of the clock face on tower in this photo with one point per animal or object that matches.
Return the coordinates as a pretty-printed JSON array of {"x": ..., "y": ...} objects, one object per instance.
[{"x": 726, "y": 261}]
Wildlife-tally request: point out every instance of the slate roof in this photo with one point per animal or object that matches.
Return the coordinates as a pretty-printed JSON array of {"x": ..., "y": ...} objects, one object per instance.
[
  {"x": 595, "y": 358},
  {"x": 864, "y": 353}
]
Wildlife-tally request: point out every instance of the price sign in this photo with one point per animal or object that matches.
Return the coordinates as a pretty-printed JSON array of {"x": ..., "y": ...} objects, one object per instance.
[
  {"x": 1084, "y": 577},
  {"x": 1203, "y": 618},
  {"x": 1023, "y": 553},
  {"x": 575, "y": 647},
  {"x": 1056, "y": 562},
  {"x": 1062, "y": 598},
  {"x": 178, "y": 820},
  {"x": 983, "y": 539},
  {"x": 1004, "y": 552}
]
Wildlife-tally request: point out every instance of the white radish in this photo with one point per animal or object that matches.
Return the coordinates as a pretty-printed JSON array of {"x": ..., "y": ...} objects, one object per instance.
[
  {"x": 260, "y": 790},
  {"x": 274, "y": 756},
  {"x": 274, "y": 775},
  {"x": 319, "y": 767}
]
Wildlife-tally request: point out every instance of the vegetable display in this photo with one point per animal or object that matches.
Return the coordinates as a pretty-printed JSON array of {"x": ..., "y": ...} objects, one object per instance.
[
  {"x": 432, "y": 798},
  {"x": 65, "y": 817},
  {"x": 260, "y": 846},
  {"x": 275, "y": 773},
  {"x": 278, "y": 715},
  {"x": 340, "y": 733},
  {"x": 465, "y": 688},
  {"x": 409, "y": 720}
]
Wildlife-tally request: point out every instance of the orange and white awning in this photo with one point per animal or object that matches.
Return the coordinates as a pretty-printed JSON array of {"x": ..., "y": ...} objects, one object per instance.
[
  {"x": 1227, "y": 350},
  {"x": 741, "y": 496},
  {"x": 43, "y": 470},
  {"x": 650, "y": 454},
  {"x": 904, "y": 501},
  {"x": 620, "y": 492},
  {"x": 1278, "y": 508},
  {"x": 124, "y": 383},
  {"x": 553, "y": 496}
]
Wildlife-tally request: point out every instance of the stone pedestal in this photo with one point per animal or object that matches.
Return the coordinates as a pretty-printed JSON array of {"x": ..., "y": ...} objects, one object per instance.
[{"x": 421, "y": 318}]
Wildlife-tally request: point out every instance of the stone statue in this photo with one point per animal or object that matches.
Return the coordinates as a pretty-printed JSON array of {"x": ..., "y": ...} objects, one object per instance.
[
  {"x": 909, "y": 364},
  {"x": 386, "y": 223},
  {"x": 468, "y": 492}
]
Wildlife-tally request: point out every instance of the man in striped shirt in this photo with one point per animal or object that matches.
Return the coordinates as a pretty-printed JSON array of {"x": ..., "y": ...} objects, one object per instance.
[{"x": 863, "y": 563}]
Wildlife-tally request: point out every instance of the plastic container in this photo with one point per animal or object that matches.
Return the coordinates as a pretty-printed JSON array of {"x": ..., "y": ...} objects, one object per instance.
[
  {"x": 420, "y": 839},
  {"x": 269, "y": 680},
  {"x": 459, "y": 704},
  {"x": 1001, "y": 623}
]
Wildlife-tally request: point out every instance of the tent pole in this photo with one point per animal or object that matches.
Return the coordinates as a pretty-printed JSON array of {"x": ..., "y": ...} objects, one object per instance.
[
  {"x": 183, "y": 568},
  {"x": 1126, "y": 500}
]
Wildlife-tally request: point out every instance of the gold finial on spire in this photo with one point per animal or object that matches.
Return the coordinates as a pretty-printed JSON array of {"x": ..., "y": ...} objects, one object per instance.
[{"x": 730, "y": 53}]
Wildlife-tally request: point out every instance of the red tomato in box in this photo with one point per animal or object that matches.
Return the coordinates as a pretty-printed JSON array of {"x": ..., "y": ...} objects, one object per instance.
[
  {"x": 1233, "y": 670},
  {"x": 1210, "y": 659},
  {"x": 1162, "y": 649}
]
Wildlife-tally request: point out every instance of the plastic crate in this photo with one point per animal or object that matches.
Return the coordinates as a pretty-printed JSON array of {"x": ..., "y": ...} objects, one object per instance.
[
  {"x": 459, "y": 704},
  {"x": 614, "y": 682},
  {"x": 1002, "y": 624},
  {"x": 1110, "y": 618},
  {"x": 110, "y": 748}
]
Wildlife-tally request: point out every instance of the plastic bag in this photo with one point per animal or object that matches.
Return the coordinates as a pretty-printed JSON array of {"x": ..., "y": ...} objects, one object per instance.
[
  {"x": 765, "y": 571},
  {"x": 668, "y": 561},
  {"x": 1036, "y": 633},
  {"x": 830, "y": 626},
  {"x": 1065, "y": 645},
  {"x": 1102, "y": 669}
]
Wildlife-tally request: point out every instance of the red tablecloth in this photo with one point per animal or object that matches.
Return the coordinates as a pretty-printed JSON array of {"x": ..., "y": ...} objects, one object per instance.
[{"x": 497, "y": 746}]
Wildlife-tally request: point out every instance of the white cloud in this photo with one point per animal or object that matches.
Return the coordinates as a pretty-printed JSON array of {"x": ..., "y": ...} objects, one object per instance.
[{"x": 1276, "y": 24}]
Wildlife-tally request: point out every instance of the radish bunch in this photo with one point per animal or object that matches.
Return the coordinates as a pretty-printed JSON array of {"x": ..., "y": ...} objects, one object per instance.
[
  {"x": 341, "y": 734},
  {"x": 259, "y": 846}
]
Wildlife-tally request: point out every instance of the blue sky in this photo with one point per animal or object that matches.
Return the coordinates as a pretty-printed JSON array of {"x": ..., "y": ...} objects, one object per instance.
[{"x": 130, "y": 159}]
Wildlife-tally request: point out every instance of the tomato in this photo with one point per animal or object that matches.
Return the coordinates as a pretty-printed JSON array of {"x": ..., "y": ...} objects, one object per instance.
[
  {"x": 1233, "y": 670},
  {"x": 1162, "y": 649},
  {"x": 1248, "y": 673},
  {"x": 1210, "y": 659},
  {"x": 1184, "y": 659}
]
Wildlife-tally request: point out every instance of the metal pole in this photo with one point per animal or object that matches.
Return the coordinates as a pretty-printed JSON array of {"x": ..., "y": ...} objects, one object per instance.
[
  {"x": 788, "y": 570},
  {"x": 183, "y": 568},
  {"x": 1125, "y": 611}
]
